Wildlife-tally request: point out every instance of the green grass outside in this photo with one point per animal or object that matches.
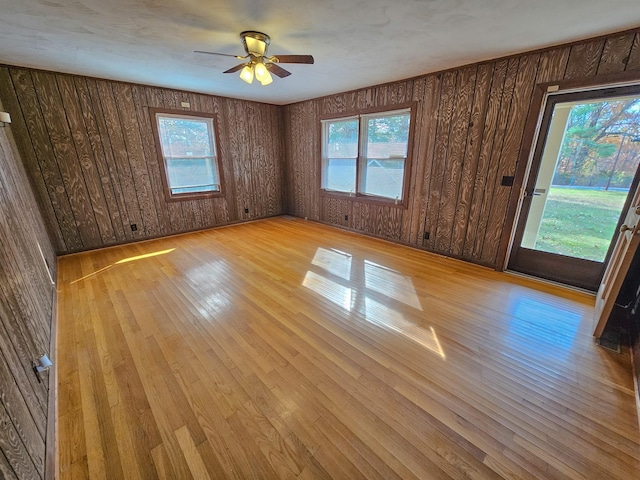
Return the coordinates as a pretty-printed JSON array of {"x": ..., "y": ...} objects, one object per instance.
[{"x": 580, "y": 222}]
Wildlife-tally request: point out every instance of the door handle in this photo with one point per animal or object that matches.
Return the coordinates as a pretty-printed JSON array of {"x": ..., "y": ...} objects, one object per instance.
[
  {"x": 536, "y": 192},
  {"x": 638, "y": 210},
  {"x": 625, "y": 228}
]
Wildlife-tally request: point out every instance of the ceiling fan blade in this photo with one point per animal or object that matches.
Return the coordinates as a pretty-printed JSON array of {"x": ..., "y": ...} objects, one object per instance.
[
  {"x": 222, "y": 54},
  {"x": 278, "y": 70},
  {"x": 235, "y": 69},
  {"x": 293, "y": 59}
]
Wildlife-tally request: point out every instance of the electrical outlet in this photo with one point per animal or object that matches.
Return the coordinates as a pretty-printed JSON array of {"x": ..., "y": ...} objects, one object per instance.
[
  {"x": 134, "y": 227},
  {"x": 426, "y": 235},
  {"x": 246, "y": 210}
]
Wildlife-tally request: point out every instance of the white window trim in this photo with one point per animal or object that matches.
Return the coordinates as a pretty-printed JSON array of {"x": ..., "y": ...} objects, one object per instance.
[{"x": 325, "y": 159}]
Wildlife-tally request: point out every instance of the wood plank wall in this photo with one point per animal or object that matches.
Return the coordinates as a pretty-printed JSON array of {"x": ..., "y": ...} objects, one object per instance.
[
  {"x": 469, "y": 127},
  {"x": 89, "y": 150},
  {"x": 26, "y": 303}
]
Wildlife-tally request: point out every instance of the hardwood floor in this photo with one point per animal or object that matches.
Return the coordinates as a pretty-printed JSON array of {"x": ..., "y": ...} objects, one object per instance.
[{"x": 287, "y": 349}]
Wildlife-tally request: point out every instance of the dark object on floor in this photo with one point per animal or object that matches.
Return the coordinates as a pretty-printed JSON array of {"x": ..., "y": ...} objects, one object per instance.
[{"x": 610, "y": 339}]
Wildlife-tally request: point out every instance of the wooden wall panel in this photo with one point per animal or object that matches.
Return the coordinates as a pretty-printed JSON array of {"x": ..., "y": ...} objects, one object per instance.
[
  {"x": 243, "y": 160},
  {"x": 14, "y": 449},
  {"x": 438, "y": 163},
  {"x": 469, "y": 128},
  {"x": 519, "y": 108},
  {"x": 6, "y": 470},
  {"x": 470, "y": 159},
  {"x": 29, "y": 111},
  {"x": 65, "y": 156},
  {"x": 411, "y": 225},
  {"x": 104, "y": 158},
  {"x": 584, "y": 59},
  {"x": 90, "y": 153},
  {"x": 465, "y": 85},
  {"x": 30, "y": 162},
  {"x": 489, "y": 198},
  {"x": 150, "y": 157},
  {"x": 27, "y": 264},
  {"x": 16, "y": 408},
  {"x": 476, "y": 224},
  {"x": 174, "y": 210},
  {"x": 633, "y": 63},
  {"x": 133, "y": 149},
  {"x": 552, "y": 64},
  {"x": 75, "y": 117},
  {"x": 426, "y": 132},
  {"x": 615, "y": 54},
  {"x": 303, "y": 146}
]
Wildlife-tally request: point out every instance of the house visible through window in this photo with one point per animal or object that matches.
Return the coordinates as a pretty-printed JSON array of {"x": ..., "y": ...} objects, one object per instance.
[
  {"x": 188, "y": 150},
  {"x": 366, "y": 155}
]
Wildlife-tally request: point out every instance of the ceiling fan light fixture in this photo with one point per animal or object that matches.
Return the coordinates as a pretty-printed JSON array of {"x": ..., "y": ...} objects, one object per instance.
[
  {"x": 261, "y": 71},
  {"x": 262, "y": 74},
  {"x": 247, "y": 74},
  {"x": 267, "y": 78}
]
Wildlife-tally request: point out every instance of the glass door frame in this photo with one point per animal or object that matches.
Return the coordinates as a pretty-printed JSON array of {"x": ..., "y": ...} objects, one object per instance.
[{"x": 585, "y": 274}]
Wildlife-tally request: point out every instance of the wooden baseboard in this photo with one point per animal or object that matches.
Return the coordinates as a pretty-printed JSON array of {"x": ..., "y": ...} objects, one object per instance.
[
  {"x": 392, "y": 240},
  {"x": 50, "y": 458},
  {"x": 157, "y": 237}
]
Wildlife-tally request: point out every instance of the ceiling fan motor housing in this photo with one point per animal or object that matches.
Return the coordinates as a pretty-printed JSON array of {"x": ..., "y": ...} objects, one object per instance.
[{"x": 255, "y": 43}]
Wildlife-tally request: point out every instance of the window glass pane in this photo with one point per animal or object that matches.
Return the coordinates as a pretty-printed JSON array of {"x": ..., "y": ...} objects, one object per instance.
[
  {"x": 343, "y": 139},
  {"x": 384, "y": 178},
  {"x": 189, "y": 153},
  {"x": 340, "y": 175},
  {"x": 387, "y": 136},
  {"x": 339, "y": 156},
  {"x": 386, "y": 151},
  {"x": 182, "y": 137},
  {"x": 191, "y": 175}
]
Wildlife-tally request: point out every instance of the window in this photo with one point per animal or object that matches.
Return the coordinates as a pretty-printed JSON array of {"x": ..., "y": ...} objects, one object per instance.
[
  {"x": 186, "y": 144},
  {"x": 366, "y": 155}
]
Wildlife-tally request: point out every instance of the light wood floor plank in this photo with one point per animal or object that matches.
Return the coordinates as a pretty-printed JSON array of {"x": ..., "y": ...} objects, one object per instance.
[{"x": 287, "y": 349}]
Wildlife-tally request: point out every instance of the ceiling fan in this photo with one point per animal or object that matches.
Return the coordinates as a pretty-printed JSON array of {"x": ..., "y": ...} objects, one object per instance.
[{"x": 258, "y": 63}]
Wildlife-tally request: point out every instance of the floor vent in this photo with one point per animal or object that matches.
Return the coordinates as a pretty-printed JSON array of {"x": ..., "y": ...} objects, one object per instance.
[{"x": 610, "y": 340}]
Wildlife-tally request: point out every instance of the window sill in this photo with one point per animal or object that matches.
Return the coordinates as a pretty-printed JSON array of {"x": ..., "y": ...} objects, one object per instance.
[
  {"x": 191, "y": 196},
  {"x": 364, "y": 199}
]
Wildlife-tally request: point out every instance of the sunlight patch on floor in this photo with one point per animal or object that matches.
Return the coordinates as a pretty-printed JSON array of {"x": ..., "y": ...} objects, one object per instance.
[{"x": 124, "y": 260}]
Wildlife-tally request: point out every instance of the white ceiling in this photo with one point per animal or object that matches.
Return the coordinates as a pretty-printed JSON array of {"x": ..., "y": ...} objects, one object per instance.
[{"x": 356, "y": 43}]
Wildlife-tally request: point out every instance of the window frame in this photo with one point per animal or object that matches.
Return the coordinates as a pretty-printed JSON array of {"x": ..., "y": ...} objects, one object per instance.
[
  {"x": 169, "y": 195},
  {"x": 324, "y": 128},
  {"x": 408, "y": 161}
]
